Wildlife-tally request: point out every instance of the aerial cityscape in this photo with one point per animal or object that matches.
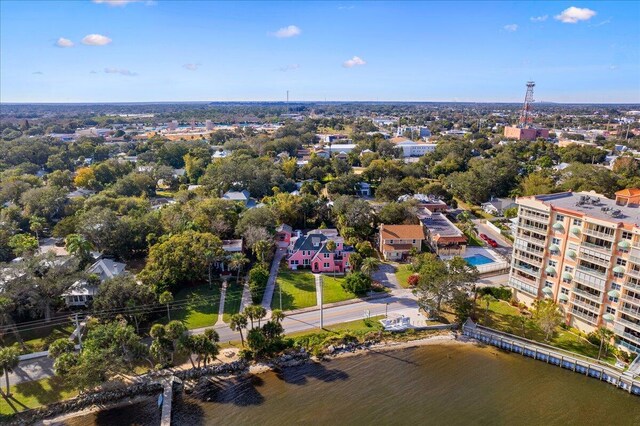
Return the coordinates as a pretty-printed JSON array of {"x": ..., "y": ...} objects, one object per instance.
[{"x": 319, "y": 212}]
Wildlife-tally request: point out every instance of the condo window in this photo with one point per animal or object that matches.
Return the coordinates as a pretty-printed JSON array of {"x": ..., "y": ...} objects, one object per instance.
[
  {"x": 577, "y": 222},
  {"x": 610, "y": 310},
  {"x": 559, "y": 218},
  {"x": 627, "y": 235},
  {"x": 568, "y": 269},
  {"x": 564, "y": 290},
  {"x": 613, "y": 299},
  {"x": 553, "y": 263},
  {"x": 615, "y": 286},
  {"x": 555, "y": 240},
  {"x": 621, "y": 262},
  {"x": 548, "y": 284}
]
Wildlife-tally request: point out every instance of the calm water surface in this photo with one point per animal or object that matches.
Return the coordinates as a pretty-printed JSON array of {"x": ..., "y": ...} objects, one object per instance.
[{"x": 448, "y": 385}]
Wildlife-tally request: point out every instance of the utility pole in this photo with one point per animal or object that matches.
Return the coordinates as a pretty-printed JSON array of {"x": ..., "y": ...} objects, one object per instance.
[
  {"x": 321, "y": 302},
  {"x": 280, "y": 291},
  {"x": 78, "y": 329}
]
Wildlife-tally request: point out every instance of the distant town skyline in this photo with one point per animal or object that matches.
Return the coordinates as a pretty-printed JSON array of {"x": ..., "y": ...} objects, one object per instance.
[{"x": 165, "y": 51}]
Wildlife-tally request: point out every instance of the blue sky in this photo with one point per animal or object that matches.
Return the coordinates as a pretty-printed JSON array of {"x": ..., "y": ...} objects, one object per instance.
[{"x": 121, "y": 51}]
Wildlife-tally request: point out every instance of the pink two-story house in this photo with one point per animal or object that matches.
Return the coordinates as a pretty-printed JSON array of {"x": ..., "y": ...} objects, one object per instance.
[{"x": 310, "y": 251}]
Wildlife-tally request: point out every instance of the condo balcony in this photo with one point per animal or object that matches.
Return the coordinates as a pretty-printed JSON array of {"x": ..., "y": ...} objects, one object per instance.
[
  {"x": 593, "y": 297},
  {"x": 587, "y": 306},
  {"x": 590, "y": 319},
  {"x": 601, "y": 248},
  {"x": 630, "y": 324},
  {"x": 599, "y": 234}
]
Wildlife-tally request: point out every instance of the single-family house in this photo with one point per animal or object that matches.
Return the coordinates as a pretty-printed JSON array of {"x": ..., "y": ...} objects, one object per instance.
[
  {"x": 396, "y": 241},
  {"x": 311, "y": 251},
  {"x": 283, "y": 235},
  {"x": 243, "y": 197},
  {"x": 81, "y": 293},
  {"x": 230, "y": 247},
  {"x": 497, "y": 206},
  {"x": 364, "y": 189}
]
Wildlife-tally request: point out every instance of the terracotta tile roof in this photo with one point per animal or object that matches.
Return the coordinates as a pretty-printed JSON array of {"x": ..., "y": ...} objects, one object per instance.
[
  {"x": 629, "y": 192},
  {"x": 402, "y": 232},
  {"x": 396, "y": 247}
]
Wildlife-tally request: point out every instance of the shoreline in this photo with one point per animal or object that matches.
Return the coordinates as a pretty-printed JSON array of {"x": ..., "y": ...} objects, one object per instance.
[{"x": 93, "y": 409}]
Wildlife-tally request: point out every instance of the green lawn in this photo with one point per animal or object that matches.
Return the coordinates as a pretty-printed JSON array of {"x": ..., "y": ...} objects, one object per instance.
[
  {"x": 333, "y": 291},
  {"x": 232, "y": 300},
  {"x": 473, "y": 239},
  {"x": 201, "y": 307},
  {"x": 298, "y": 290},
  {"x": 356, "y": 326},
  {"x": 39, "y": 339},
  {"x": 34, "y": 394},
  {"x": 402, "y": 274},
  {"x": 504, "y": 317}
]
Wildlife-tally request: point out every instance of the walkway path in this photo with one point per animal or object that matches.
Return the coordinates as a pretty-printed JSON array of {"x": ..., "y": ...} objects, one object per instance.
[
  {"x": 318, "y": 278},
  {"x": 273, "y": 274},
  {"x": 246, "y": 297},
  {"x": 223, "y": 293},
  {"x": 386, "y": 275}
]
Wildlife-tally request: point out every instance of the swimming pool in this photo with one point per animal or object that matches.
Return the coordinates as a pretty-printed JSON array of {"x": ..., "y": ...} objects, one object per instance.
[{"x": 478, "y": 259}]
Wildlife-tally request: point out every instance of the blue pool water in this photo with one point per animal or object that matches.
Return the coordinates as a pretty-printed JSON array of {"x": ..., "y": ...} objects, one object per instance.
[{"x": 478, "y": 259}]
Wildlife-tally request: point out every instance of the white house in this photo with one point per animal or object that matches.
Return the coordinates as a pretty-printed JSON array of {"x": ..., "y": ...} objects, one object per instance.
[
  {"x": 82, "y": 292},
  {"x": 412, "y": 148}
]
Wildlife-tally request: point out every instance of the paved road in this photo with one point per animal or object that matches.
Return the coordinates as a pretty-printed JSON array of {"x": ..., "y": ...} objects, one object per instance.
[
  {"x": 34, "y": 369},
  {"x": 401, "y": 300},
  {"x": 386, "y": 275}
]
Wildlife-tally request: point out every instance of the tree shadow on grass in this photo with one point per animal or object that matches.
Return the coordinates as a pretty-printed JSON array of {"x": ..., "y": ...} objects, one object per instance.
[
  {"x": 288, "y": 301},
  {"x": 36, "y": 390},
  {"x": 300, "y": 375}
]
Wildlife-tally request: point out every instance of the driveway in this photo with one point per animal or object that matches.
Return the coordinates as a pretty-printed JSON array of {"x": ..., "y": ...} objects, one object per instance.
[
  {"x": 386, "y": 275},
  {"x": 30, "y": 370}
]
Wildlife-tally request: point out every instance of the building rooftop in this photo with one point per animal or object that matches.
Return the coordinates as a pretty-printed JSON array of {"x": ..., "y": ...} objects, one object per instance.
[
  {"x": 593, "y": 205},
  {"x": 438, "y": 224},
  {"x": 401, "y": 232}
]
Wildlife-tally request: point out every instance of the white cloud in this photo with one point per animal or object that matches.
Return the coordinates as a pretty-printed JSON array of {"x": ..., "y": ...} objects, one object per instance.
[
  {"x": 38, "y": 72},
  {"x": 511, "y": 27},
  {"x": 346, "y": 7},
  {"x": 191, "y": 67},
  {"x": 96, "y": 40},
  {"x": 93, "y": 72},
  {"x": 541, "y": 18},
  {"x": 290, "y": 67},
  {"x": 574, "y": 14},
  {"x": 353, "y": 62},
  {"x": 120, "y": 71},
  {"x": 286, "y": 32},
  {"x": 64, "y": 42}
]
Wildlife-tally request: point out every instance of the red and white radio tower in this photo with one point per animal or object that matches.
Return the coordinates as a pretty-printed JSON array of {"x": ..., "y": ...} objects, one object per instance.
[{"x": 526, "y": 119}]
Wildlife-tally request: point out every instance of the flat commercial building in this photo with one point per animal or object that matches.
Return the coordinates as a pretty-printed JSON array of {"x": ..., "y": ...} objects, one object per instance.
[
  {"x": 525, "y": 134},
  {"x": 582, "y": 250}
]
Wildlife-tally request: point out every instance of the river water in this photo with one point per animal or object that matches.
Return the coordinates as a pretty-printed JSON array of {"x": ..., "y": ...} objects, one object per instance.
[{"x": 435, "y": 385}]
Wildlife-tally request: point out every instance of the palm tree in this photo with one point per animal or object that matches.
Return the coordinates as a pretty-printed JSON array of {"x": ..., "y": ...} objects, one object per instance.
[
  {"x": 8, "y": 361},
  {"x": 237, "y": 323},
  {"x": 255, "y": 313},
  {"x": 487, "y": 299},
  {"x": 260, "y": 249},
  {"x": 166, "y": 298},
  {"x": 237, "y": 262},
  {"x": 331, "y": 247},
  {"x": 369, "y": 266},
  {"x": 78, "y": 245},
  {"x": 605, "y": 336},
  {"x": 36, "y": 225},
  {"x": 277, "y": 315}
]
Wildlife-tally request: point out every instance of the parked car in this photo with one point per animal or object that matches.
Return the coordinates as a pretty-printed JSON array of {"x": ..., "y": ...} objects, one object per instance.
[
  {"x": 492, "y": 243},
  {"x": 484, "y": 237}
]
